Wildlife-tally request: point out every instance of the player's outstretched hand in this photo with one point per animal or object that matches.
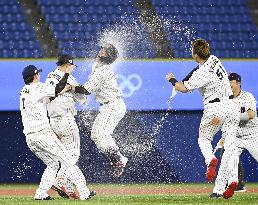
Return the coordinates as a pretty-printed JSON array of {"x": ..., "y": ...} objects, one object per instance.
[{"x": 169, "y": 76}]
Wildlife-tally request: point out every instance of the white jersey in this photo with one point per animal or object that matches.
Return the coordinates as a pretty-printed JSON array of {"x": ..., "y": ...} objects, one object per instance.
[
  {"x": 212, "y": 80},
  {"x": 247, "y": 102},
  {"x": 103, "y": 84},
  {"x": 65, "y": 103},
  {"x": 32, "y": 106}
]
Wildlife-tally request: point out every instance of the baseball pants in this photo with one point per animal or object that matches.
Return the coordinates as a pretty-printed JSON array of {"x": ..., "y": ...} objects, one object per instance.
[
  {"x": 105, "y": 123},
  {"x": 68, "y": 132},
  {"x": 230, "y": 173},
  {"x": 228, "y": 113},
  {"x": 46, "y": 146}
]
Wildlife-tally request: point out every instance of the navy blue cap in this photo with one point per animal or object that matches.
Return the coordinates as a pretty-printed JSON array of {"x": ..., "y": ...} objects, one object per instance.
[
  {"x": 234, "y": 76},
  {"x": 30, "y": 71}
]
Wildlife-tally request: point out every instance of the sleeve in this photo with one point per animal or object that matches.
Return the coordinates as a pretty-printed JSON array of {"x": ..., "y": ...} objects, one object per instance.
[
  {"x": 53, "y": 79},
  {"x": 95, "y": 81},
  {"x": 198, "y": 79},
  {"x": 250, "y": 103},
  {"x": 186, "y": 78},
  {"x": 45, "y": 91}
]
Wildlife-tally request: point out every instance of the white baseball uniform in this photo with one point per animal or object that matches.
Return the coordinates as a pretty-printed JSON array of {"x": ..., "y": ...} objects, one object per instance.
[
  {"x": 61, "y": 111},
  {"x": 103, "y": 85},
  {"x": 212, "y": 81},
  {"x": 43, "y": 142},
  {"x": 247, "y": 138}
]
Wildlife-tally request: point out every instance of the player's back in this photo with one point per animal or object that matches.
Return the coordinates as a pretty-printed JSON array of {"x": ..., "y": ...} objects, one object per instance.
[
  {"x": 32, "y": 106},
  {"x": 212, "y": 80}
]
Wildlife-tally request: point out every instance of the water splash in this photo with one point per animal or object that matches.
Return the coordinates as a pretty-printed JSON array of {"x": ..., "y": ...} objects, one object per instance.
[{"x": 135, "y": 139}]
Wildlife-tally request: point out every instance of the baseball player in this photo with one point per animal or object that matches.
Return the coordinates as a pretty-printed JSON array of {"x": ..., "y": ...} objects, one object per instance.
[
  {"x": 40, "y": 138},
  {"x": 247, "y": 138},
  {"x": 220, "y": 110},
  {"x": 102, "y": 84},
  {"x": 61, "y": 112}
]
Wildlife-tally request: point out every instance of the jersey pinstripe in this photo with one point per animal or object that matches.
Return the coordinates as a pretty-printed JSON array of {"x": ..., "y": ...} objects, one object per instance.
[
  {"x": 211, "y": 79},
  {"x": 103, "y": 84},
  {"x": 33, "y": 110},
  {"x": 247, "y": 102},
  {"x": 247, "y": 139},
  {"x": 64, "y": 103}
]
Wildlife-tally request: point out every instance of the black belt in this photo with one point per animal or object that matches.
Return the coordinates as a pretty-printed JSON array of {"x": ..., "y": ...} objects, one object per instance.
[
  {"x": 218, "y": 100},
  {"x": 104, "y": 103}
]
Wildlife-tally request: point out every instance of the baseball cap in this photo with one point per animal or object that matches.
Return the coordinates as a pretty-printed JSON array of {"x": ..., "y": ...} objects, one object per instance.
[
  {"x": 234, "y": 76},
  {"x": 64, "y": 59},
  {"x": 30, "y": 70}
]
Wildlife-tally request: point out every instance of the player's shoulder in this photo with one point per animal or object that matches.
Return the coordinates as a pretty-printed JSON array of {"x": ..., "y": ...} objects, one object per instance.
[
  {"x": 25, "y": 89},
  {"x": 246, "y": 95},
  {"x": 56, "y": 74}
]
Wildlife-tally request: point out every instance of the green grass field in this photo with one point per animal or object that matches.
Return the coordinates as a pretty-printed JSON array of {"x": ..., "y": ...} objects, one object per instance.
[{"x": 191, "y": 194}]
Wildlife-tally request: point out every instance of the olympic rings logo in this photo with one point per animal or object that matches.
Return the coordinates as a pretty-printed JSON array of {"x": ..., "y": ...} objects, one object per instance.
[{"x": 128, "y": 85}]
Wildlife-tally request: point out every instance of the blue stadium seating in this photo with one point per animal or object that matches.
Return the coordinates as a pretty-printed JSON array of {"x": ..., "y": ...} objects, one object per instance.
[
  {"x": 76, "y": 24},
  {"x": 227, "y": 24},
  {"x": 17, "y": 38}
]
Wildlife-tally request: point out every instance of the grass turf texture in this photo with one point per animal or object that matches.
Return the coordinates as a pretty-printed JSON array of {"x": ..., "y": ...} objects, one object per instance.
[{"x": 137, "y": 199}]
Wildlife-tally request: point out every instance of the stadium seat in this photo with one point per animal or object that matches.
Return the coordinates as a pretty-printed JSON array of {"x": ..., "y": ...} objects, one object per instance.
[
  {"x": 17, "y": 34},
  {"x": 77, "y": 24},
  {"x": 226, "y": 23}
]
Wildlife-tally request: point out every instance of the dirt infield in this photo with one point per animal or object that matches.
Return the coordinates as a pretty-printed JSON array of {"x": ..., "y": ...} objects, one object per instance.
[{"x": 119, "y": 191}]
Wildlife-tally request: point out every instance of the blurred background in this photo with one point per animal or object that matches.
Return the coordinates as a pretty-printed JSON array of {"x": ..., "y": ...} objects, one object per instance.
[{"x": 158, "y": 134}]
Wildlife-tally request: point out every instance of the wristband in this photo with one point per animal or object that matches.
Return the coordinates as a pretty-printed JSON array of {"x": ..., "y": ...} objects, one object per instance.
[
  {"x": 173, "y": 81},
  {"x": 244, "y": 116}
]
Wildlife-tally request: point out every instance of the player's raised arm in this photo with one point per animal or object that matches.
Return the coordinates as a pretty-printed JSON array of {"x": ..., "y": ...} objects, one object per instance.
[{"x": 179, "y": 86}]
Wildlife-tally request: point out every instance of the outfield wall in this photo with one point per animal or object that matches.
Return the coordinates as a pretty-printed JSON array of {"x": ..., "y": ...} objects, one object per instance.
[
  {"x": 143, "y": 82},
  {"x": 175, "y": 156}
]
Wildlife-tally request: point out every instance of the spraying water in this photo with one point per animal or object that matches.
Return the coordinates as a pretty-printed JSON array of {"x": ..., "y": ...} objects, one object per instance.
[{"x": 135, "y": 139}]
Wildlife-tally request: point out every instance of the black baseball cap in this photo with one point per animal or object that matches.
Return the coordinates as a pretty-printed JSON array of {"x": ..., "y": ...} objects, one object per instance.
[
  {"x": 64, "y": 59},
  {"x": 30, "y": 71},
  {"x": 234, "y": 76}
]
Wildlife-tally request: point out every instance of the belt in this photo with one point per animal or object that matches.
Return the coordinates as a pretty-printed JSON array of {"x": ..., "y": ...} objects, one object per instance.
[
  {"x": 218, "y": 100},
  {"x": 104, "y": 103}
]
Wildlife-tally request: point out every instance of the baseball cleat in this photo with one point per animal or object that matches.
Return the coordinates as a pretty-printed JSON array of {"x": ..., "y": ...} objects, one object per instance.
[
  {"x": 92, "y": 193},
  {"x": 46, "y": 198},
  {"x": 230, "y": 190},
  {"x": 71, "y": 195},
  {"x": 241, "y": 189},
  {"x": 211, "y": 170},
  {"x": 216, "y": 196},
  {"x": 60, "y": 192},
  {"x": 119, "y": 166}
]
